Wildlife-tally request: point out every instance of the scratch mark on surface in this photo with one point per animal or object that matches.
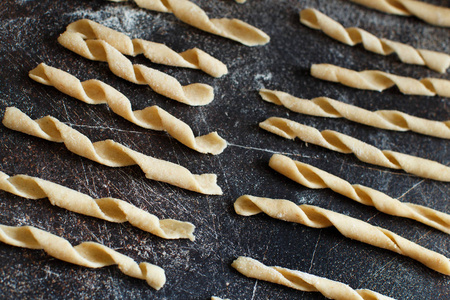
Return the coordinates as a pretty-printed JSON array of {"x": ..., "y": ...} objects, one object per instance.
[
  {"x": 93, "y": 235},
  {"x": 254, "y": 289},
  {"x": 314, "y": 252},
  {"x": 267, "y": 150},
  {"x": 65, "y": 110},
  {"x": 110, "y": 128},
  {"x": 368, "y": 220},
  {"x": 412, "y": 188}
]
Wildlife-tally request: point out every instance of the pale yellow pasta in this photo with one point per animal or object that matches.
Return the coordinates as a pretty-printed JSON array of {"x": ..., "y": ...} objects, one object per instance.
[
  {"x": 367, "y": 153},
  {"x": 315, "y": 178},
  {"x": 352, "y": 228},
  {"x": 193, "y": 15},
  {"x": 161, "y": 83},
  {"x": 385, "y": 119},
  {"x": 110, "y": 153},
  {"x": 86, "y": 254},
  {"x": 156, "y": 52},
  {"x": 153, "y": 117},
  {"x": 303, "y": 281},
  {"x": 379, "y": 81},
  {"x": 436, "y": 15},
  {"x": 352, "y": 36},
  {"x": 109, "y": 209}
]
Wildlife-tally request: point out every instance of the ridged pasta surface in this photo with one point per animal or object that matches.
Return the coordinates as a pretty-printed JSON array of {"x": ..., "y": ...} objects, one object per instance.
[
  {"x": 153, "y": 117},
  {"x": 316, "y": 178},
  {"x": 110, "y": 153},
  {"x": 367, "y": 153},
  {"x": 303, "y": 281},
  {"x": 109, "y": 209},
  {"x": 437, "y": 61},
  {"x": 87, "y": 254},
  {"x": 355, "y": 229}
]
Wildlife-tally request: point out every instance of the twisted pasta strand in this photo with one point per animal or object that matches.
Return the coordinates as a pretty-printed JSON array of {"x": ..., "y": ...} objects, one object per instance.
[
  {"x": 352, "y": 36},
  {"x": 109, "y": 209},
  {"x": 436, "y": 15},
  {"x": 193, "y": 15},
  {"x": 367, "y": 153},
  {"x": 355, "y": 229},
  {"x": 86, "y": 254},
  {"x": 315, "y": 178},
  {"x": 385, "y": 119},
  {"x": 110, "y": 153},
  {"x": 161, "y": 83},
  {"x": 153, "y": 117},
  {"x": 155, "y": 52},
  {"x": 303, "y": 281},
  {"x": 379, "y": 81}
]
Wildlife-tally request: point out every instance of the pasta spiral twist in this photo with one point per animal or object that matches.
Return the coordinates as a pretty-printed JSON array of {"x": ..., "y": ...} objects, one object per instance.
[
  {"x": 86, "y": 254},
  {"x": 385, "y": 119},
  {"x": 379, "y": 81},
  {"x": 303, "y": 281},
  {"x": 367, "y": 153},
  {"x": 153, "y": 117},
  {"x": 315, "y": 178},
  {"x": 355, "y": 229},
  {"x": 109, "y": 209},
  {"x": 161, "y": 83},
  {"x": 156, "y": 52},
  {"x": 193, "y": 15},
  {"x": 110, "y": 153},
  {"x": 352, "y": 36},
  {"x": 436, "y": 15}
]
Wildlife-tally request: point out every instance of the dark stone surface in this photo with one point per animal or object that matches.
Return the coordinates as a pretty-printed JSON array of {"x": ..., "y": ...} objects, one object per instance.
[{"x": 200, "y": 269}]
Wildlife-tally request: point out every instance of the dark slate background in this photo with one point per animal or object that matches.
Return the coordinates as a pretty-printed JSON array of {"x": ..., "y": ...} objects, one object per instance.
[{"x": 200, "y": 269}]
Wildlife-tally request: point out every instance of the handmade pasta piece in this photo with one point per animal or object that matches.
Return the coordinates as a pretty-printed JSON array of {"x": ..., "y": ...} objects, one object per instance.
[
  {"x": 110, "y": 153},
  {"x": 367, "y": 153},
  {"x": 379, "y": 81},
  {"x": 86, "y": 254},
  {"x": 302, "y": 281},
  {"x": 315, "y": 178},
  {"x": 155, "y": 52},
  {"x": 193, "y": 15},
  {"x": 109, "y": 209},
  {"x": 385, "y": 119},
  {"x": 436, "y": 15},
  {"x": 153, "y": 117},
  {"x": 437, "y": 61},
  {"x": 355, "y": 229},
  {"x": 161, "y": 83}
]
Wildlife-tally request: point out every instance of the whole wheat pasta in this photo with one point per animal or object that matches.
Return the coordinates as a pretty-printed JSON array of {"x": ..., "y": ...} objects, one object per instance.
[
  {"x": 355, "y": 229},
  {"x": 155, "y": 52},
  {"x": 193, "y": 15},
  {"x": 153, "y": 117},
  {"x": 303, "y": 281},
  {"x": 161, "y": 83},
  {"x": 436, "y": 15},
  {"x": 315, "y": 178},
  {"x": 437, "y": 61},
  {"x": 367, "y": 153},
  {"x": 109, "y": 209},
  {"x": 379, "y": 81},
  {"x": 110, "y": 153},
  {"x": 86, "y": 254},
  {"x": 385, "y": 119}
]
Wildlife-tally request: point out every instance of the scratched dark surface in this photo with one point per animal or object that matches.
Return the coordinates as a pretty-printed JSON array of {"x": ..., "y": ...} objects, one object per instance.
[{"x": 200, "y": 269}]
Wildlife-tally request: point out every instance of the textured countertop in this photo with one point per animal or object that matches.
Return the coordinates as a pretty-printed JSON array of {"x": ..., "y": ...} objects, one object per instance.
[{"x": 200, "y": 269}]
